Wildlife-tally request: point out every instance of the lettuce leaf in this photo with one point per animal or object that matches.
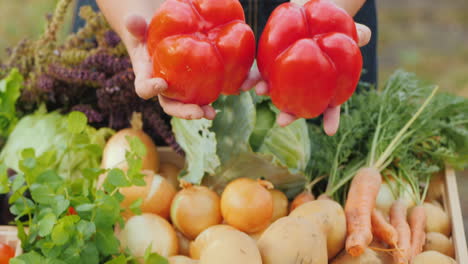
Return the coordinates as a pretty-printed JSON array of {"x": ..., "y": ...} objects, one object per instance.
[
  {"x": 221, "y": 150},
  {"x": 9, "y": 93},
  {"x": 199, "y": 144},
  {"x": 48, "y": 132}
]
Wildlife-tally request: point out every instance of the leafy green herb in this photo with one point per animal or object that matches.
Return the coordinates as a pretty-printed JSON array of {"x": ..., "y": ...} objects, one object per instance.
[{"x": 55, "y": 234}]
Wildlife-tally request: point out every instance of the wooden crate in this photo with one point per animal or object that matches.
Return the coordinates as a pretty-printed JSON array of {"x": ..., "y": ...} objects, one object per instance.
[
  {"x": 453, "y": 208},
  {"x": 451, "y": 204},
  {"x": 8, "y": 235}
]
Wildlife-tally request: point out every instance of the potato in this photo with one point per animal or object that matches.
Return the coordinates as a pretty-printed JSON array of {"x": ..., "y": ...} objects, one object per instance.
[
  {"x": 433, "y": 257},
  {"x": 330, "y": 216},
  {"x": 222, "y": 244},
  {"x": 293, "y": 240},
  {"x": 440, "y": 243},
  {"x": 157, "y": 195},
  {"x": 181, "y": 260},
  {"x": 171, "y": 173},
  {"x": 437, "y": 220},
  {"x": 368, "y": 257},
  {"x": 149, "y": 229}
]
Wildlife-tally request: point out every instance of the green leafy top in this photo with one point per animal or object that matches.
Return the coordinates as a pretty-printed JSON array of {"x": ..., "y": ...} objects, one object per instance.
[{"x": 42, "y": 200}]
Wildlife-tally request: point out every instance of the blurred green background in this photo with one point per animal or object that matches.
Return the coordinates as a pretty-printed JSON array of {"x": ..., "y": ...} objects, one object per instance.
[{"x": 428, "y": 37}]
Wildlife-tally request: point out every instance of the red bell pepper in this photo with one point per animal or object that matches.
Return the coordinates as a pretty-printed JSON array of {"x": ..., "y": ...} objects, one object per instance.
[
  {"x": 201, "y": 48},
  {"x": 309, "y": 56}
]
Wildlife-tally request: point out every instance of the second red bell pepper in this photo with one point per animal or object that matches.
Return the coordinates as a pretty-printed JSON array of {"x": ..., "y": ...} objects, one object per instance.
[
  {"x": 309, "y": 56},
  {"x": 201, "y": 48}
]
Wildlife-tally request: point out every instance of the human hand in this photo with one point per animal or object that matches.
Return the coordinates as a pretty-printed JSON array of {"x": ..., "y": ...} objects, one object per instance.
[{"x": 148, "y": 87}]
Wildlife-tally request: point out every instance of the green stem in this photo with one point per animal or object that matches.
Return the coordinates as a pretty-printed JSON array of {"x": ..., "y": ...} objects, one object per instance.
[
  {"x": 346, "y": 178},
  {"x": 376, "y": 136},
  {"x": 396, "y": 140}
]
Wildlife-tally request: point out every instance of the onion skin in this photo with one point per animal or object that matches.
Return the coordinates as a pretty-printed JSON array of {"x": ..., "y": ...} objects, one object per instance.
[
  {"x": 142, "y": 230},
  {"x": 247, "y": 205},
  {"x": 157, "y": 196},
  {"x": 184, "y": 244},
  {"x": 181, "y": 260},
  {"x": 114, "y": 151},
  {"x": 194, "y": 209},
  {"x": 280, "y": 204}
]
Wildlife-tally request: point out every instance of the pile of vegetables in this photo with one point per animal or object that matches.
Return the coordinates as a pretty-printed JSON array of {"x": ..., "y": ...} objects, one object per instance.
[{"x": 92, "y": 186}]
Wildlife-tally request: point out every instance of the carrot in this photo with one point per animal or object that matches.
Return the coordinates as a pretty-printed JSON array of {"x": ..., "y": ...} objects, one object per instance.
[
  {"x": 398, "y": 220},
  {"x": 383, "y": 230},
  {"x": 417, "y": 222},
  {"x": 359, "y": 205}
]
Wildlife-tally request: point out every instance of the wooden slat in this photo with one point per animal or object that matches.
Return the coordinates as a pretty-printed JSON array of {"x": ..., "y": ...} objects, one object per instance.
[{"x": 452, "y": 204}]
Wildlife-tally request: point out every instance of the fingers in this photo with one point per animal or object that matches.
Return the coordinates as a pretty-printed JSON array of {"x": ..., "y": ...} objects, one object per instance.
[
  {"x": 186, "y": 111},
  {"x": 331, "y": 120},
  {"x": 147, "y": 88},
  {"x": 364, "y": 34},
  {"x": 252, "y": 79},
  {"x": 285, "y": 119},
  {"x": 136, "y": 26},
  {"x": 261, "y": 88}
]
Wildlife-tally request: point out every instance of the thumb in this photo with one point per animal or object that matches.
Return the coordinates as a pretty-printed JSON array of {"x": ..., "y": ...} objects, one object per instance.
[{"x": 136, "y": 26}]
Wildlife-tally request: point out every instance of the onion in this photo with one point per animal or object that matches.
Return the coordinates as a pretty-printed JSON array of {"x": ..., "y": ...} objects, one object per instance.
[
  {"x": 194, "y": 209},
  {"x": 171, "y": 173},
  {"x": 149, "y": 229},
  {"x": 114, "y": 152},
  {"x": 184, "y": 244},
  {"x": 181, "y": 260},
  {"x": 247, "y": 205},
  {"x": 280, "y": 204},
  {"x": 385, "y": 198},
  {"x": 157, "y": 195}
]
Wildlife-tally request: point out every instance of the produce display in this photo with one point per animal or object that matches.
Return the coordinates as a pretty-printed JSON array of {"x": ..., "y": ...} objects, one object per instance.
[{"x": 108, "y": 190}]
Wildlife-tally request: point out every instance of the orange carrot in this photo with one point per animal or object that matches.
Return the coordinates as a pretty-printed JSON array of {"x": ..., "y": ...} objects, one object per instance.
[
  {"x": 383, "y": 230},
  {"x": 359, "y": 205},
  {"x": 417, "y": 222},
  {"x": 398, "y": 220},
  {"x": 302, "y": 198}
]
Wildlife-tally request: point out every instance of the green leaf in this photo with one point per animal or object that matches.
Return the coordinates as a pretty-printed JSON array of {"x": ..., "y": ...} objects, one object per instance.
[
  {"x": 18, "y": 182},
  {"x": 199, "y": 144},
  {"x": 46, "y": 224},
  {"x": 76, "y": 122},
  {"x": 117, "y": 178},
  {"x": 28, "y": 258},
  {"x": 155, "y": 258},
  {"x": 4, "y": 182},
  {"x": 86, "y": 229},
  {"x": 290, "y": 145},
  {"x": 118, "y": 260},
  {"x": 17, "y": 195},
  {"x": 85, "y": 207},
  {"x": 9, "y": 93},
  {"x": 233, "y": 125},
  {"x": 92, "y": 173},
  {"x": 90, "y": 254},
  {"x": 42, "y": 194},
  {"x": 137, "y": 146},
  {"x": 106, "y": 241},
  {"x": 59, "y": 205},
  {"x": 135, "y": 207}
]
